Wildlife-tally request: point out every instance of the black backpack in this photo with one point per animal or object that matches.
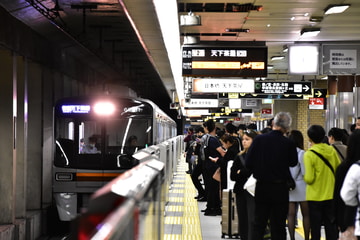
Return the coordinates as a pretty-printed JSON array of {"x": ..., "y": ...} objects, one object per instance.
[{"x": 203, "y": 154}]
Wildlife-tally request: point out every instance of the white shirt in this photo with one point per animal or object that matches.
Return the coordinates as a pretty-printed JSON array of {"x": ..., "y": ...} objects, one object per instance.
[{"x": 350, "y": 191}]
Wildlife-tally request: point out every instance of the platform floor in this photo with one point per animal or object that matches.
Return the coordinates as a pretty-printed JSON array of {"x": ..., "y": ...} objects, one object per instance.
[{"x": 183, "y": 217}]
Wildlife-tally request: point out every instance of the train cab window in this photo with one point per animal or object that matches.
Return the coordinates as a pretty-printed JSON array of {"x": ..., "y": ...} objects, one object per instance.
[{"x": 125, "y": 136}]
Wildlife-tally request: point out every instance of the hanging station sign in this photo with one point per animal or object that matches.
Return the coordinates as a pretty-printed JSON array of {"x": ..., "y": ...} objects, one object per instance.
[
  {"x": 213, "y": 85},
  {"x": 283, "y": 87},
  {"x": 224, "y": 61}
]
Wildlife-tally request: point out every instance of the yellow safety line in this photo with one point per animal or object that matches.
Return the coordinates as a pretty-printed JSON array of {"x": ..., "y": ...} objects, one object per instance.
[{"x": 190, "y": 221}]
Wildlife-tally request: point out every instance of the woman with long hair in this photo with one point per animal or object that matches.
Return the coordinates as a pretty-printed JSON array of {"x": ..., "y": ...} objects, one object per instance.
[{"x": 244, "y": 200}]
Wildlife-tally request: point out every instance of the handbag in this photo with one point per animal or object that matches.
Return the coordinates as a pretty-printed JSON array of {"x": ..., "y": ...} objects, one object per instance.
[
  {"x": 250, "y": 185},
  {"x": 348, "y": 234},
  {"x": 291, "y": 183},
  {"x": 217, "y": 174}
]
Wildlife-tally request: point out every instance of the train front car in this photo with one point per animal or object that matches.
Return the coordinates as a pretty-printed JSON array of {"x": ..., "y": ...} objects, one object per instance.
[{"x": 95, "y": 138}]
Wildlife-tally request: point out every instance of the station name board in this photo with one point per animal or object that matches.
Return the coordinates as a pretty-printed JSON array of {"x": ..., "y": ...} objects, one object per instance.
[
  {"x": 303, "y": 88},
  {"x": 233, "y": 61},
  {"x": 213, "y": 85}
]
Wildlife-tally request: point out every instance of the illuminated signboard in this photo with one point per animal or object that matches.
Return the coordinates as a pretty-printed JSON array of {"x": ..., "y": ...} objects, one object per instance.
[
  {"x": 340, "y": 59},
  {"x": 213, "y": 85},
  {"x": 283, "y": 87},
  {"x": 304, "y": 59},
  {"x": 200, "y": 103},
  {"x": 232, "y": 61},
  {"x": 75, "y": 108},
  {"x": 263, "y": 96},
  {"x": 317, "y": 103}
]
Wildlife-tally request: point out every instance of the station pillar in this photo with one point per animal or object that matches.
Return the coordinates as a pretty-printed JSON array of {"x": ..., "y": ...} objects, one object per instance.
[
  {"x": 331, "y": 102},
  {"x": 356, "y": 98},
  {"x": 345, "y": 101}
]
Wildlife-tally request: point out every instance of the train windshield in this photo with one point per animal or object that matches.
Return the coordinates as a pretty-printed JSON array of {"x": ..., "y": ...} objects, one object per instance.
[{"x": 86, "y": 141}]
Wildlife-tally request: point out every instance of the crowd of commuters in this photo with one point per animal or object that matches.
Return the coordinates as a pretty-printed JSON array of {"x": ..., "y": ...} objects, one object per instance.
[{"x": 326, "y": 176}]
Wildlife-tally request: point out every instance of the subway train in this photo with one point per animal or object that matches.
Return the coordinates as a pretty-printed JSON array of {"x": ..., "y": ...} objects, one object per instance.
[{"x": 95, "y": 140}]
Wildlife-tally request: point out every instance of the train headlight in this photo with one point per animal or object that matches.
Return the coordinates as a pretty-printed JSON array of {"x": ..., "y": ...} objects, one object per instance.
[{"x": 104, "y": 108}]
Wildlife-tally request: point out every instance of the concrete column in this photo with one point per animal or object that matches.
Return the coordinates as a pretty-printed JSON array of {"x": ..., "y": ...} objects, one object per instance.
[
  {"x": 345, "y": 101},
  {"x": 34, "y": 144},
  {"x": 356, "y": 98},
  {"x": 331, "y": 108},
  {"x": 48, "y": 136},
  {"x": 7, "y": 156},
  {"x": 21, "y": 132}
]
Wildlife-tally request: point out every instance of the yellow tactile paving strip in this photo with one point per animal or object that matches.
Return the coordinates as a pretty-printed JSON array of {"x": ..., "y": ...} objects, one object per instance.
[{"x": 190, "y": 220}]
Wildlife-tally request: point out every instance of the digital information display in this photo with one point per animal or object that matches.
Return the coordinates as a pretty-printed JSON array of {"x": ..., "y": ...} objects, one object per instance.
[
  {"x": 263, "y": 87},
  {"x": 75, "y": 108},
  {"x": 233, "y": 61}
]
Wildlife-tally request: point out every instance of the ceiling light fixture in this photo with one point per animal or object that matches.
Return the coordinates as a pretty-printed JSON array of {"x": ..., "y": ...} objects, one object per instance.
[
  {"x": 246, "y": 30},
  {"x": 191, "y": 40},
  {"x": 310, "y": 32},
  {"x": 336, "y": 8},
  {"x": 316, "y": 19},
  {"x": 190, "y": 20},
  {"x": 274, "y": 58}
]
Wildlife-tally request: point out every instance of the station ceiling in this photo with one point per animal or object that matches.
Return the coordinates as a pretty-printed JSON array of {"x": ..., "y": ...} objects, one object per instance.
[{"x": 126, "y": 34}]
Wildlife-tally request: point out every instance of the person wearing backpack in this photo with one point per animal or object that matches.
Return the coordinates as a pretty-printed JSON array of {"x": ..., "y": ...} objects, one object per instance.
[
  {"x": 211, "y": 149},
  {"x": 198, "y": 168}
]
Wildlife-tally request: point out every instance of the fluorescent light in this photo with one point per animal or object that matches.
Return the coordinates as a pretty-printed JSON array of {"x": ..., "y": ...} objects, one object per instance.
[
  {"x": 166, "y": 10},
  {"x": 246, "y": 30},
  {"x": 191, "y": 40},
  {"x": 309, "y": 32},
  {"x": 274, "y": 58},
  {"x": 190, "y": 20},
  {"x": 336, "y": 8}
]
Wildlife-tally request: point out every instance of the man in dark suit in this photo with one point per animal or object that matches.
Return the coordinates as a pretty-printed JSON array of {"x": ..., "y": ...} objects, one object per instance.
[{"x": 269, "y": 158}]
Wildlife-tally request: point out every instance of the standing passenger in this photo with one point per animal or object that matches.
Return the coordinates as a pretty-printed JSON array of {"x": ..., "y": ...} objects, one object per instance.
[
  {"x": 214, "y": 150},
  {"x": 228, "y": 144},
  {"x": 269, "y": 158},
  {"x": 231, "y": 130},
  {"x": 335, "y": 139},
  {"x": 198, "y": 168},
  {"x": 357, "y": 123},
  {"x": 245, "y": 203},
  {"x": 297, "y": 196},
  {"x": 320, "y": 179},
  {"x": 344, "y": 211}
]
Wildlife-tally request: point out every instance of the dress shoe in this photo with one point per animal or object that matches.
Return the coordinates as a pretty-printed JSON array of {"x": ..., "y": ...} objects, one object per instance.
[
  {"x": 212, "y": 212},
  {"x": 202, "y": 199}
]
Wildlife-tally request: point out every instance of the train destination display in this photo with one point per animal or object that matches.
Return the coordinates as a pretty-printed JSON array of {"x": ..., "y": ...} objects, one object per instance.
[{"x": 232, "y": 61}]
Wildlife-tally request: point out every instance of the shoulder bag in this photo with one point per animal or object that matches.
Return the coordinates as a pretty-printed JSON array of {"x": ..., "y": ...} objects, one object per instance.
[
  {"x": 217, "y": 174},
  {"x": 325, "y": 160}
]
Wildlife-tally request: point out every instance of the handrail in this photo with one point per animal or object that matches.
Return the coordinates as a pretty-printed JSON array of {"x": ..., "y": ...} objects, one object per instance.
[{"x": 114, "y": 209}]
